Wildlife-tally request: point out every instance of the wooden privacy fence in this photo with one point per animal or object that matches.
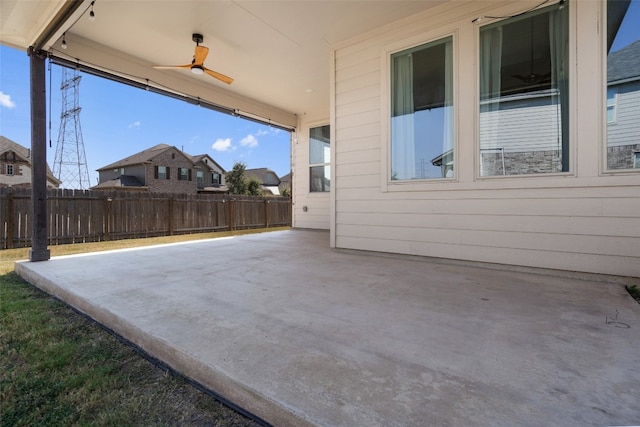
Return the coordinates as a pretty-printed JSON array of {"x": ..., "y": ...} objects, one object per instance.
[{"x": 76, "y": 216}]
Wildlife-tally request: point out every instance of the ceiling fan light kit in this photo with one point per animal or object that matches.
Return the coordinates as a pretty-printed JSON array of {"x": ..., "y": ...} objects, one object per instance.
[{"x": 197, "y": 64}]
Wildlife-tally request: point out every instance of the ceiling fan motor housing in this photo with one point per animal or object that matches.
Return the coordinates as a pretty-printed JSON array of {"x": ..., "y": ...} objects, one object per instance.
[{"x": 198, "y": 38}]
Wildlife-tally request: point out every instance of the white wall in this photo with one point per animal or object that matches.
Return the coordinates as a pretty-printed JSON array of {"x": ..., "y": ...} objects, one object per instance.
[
  {"x": 625, "y": 129},
  {"x": 585, "y": 220},
  {"x": 310, "y": 210}
]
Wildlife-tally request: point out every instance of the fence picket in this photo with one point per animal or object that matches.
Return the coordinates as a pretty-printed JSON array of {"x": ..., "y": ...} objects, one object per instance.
[{"x": 76, "y": 216}]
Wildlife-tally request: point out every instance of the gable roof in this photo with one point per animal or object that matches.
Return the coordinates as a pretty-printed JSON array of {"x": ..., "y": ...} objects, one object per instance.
[
  {"x": 7, "y": 144},
  {"x": 624, "y": 64},
  {"x": 201, "y": 157},
  {"x": 144, "y": 156}
]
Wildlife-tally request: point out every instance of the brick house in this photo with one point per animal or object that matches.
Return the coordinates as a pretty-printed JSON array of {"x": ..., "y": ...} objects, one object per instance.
[
  {"x": 163, "y": 168},
  {"x": 15, "y": 166}
]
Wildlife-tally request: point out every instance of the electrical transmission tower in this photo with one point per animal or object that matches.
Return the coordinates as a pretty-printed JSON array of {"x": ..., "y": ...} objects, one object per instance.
[{"x": 70, "y": 164}]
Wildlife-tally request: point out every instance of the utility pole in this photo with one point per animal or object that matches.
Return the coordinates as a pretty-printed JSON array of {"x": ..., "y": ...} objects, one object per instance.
[{"x": 70, "y": 164}]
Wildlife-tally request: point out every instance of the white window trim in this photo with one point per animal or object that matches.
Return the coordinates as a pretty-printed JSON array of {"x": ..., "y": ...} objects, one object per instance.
[
  {"x": 387, "y": 184},
  {"x": 573, "y": 99},
  {"x": 604, "y": 143},
  {"x": 331, "y": 157},
  {"x": 303, "y": 139}
]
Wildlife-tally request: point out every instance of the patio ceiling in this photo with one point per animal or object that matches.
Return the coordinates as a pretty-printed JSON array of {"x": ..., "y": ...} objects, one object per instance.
[{"x": 278, "y": 52}]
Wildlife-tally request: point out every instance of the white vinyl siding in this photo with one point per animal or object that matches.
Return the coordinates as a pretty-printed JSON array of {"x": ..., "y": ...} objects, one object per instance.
[
  {"x": 579, "y": 222},
  {"x": 310, "y": 209},
  {"x": 626, "y": 129},
  {"x": 520, "y": 125}
]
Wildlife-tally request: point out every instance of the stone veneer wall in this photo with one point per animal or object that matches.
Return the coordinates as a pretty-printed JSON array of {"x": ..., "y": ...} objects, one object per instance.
[
  {"x": 621, "y": 156},
  {"x": 521, "y": 163}
]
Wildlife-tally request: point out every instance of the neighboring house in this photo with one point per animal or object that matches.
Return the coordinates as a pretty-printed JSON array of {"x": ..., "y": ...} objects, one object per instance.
[
  {"x": 209, "y": 174},
  {"x": 15, "y": 166},
  {"x": 623, "y": 108},
  {"x": 267, "y": 178},
  {"x": 163, "y": 168}
]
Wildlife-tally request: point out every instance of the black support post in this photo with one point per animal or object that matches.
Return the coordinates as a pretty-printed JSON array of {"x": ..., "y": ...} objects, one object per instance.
[{"x": 39, "y": 250}]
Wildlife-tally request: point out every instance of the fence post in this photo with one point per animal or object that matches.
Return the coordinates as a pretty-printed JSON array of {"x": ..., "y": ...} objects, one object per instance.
[
  {"x": 231, "y": 213},
  {"x": 171, "y": 217},
  {"x": 266, "y": 213},
  {"x": 107, "y": 215},
  {"x": 9, "y": 242}
]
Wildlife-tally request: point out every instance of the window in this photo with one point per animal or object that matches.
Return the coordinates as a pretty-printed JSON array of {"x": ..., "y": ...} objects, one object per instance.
[
  {"x": 319, "y": 159},
  {"x": 524, "y": 94},
  {"x": 611, "y": 104},
  {"x": 200, "y": 179},
  {"x": 422, "y": 112},
  {"x": 636, "y": 160},
  {"x": 9, "y": 169},
  {"x": 162, "y": 172},
  {"x": 185, "y": 174},
  {"x": 623, "y": 84},
  {"x": 215, "y": 178}
]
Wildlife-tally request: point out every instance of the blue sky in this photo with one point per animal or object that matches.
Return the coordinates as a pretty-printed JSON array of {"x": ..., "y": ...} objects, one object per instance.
[{"x": 118, "y": 120}]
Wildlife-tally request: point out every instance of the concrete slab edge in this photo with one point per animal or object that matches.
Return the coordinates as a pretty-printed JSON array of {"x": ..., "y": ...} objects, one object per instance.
[{"x": 250, "y": 402}]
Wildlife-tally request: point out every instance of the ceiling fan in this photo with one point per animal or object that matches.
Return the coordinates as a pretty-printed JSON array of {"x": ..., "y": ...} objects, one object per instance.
[{"x": 197, "y": 64}]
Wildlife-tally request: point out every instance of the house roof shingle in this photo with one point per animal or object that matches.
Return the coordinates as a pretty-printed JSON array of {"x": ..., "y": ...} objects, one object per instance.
[
  {"x": 266, "y": 176},
  {"x": 624, "y": 64},
  {"x": 138, "y": 158}
]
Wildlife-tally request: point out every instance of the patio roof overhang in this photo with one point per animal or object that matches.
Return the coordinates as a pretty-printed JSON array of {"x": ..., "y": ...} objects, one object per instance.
[{"x": 278, "y": 52}]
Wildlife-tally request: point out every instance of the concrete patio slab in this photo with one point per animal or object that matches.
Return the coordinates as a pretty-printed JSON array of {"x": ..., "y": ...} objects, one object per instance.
[{"x": 299, "y": 334}]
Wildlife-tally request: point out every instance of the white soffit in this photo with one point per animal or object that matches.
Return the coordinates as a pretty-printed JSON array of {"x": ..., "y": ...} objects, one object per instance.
[{"x": 278, "y": 52}]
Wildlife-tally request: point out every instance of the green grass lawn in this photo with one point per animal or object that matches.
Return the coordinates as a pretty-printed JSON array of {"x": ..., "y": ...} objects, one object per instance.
[{"x": 57, "y": 367}]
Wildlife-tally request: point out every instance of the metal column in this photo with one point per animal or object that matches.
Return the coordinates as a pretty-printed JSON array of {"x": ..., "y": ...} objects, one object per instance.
[{"x": 39, "y": 250}]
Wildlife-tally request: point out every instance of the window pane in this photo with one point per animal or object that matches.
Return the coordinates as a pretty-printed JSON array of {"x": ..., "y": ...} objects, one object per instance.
[
  {"x": 524, "y": 94},
  {"x": 320, "y": 178},
  {"x": 319, "y": 145},
  {"x": 422, "y": 112},
  {"x": 623, "y": 84},
  {"x": 162, "y": 172}
]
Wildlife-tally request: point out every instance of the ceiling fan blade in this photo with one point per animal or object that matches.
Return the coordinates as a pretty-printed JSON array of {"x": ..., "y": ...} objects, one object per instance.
[
  {"x": 200, "y": 55},
  {"x": 221, "y": 77},
  {"x": 167, "y": 67}
]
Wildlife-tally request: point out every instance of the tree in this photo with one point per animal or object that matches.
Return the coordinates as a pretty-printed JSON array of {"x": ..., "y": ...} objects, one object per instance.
[
  {"x": 238, "y": 183},
  {"x": 254, "y": 187},
  {"x": 235, "y": 179}
]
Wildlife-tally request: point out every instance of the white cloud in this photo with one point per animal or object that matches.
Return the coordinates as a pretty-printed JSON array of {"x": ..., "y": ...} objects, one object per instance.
[
  {"x": 261, "y": 132},
  {"x": 135, "y": 124},
  {"x": 223, "y": 144},
  {"x": 249, "y": 141},
  {"x": 5, "y": 100}
]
